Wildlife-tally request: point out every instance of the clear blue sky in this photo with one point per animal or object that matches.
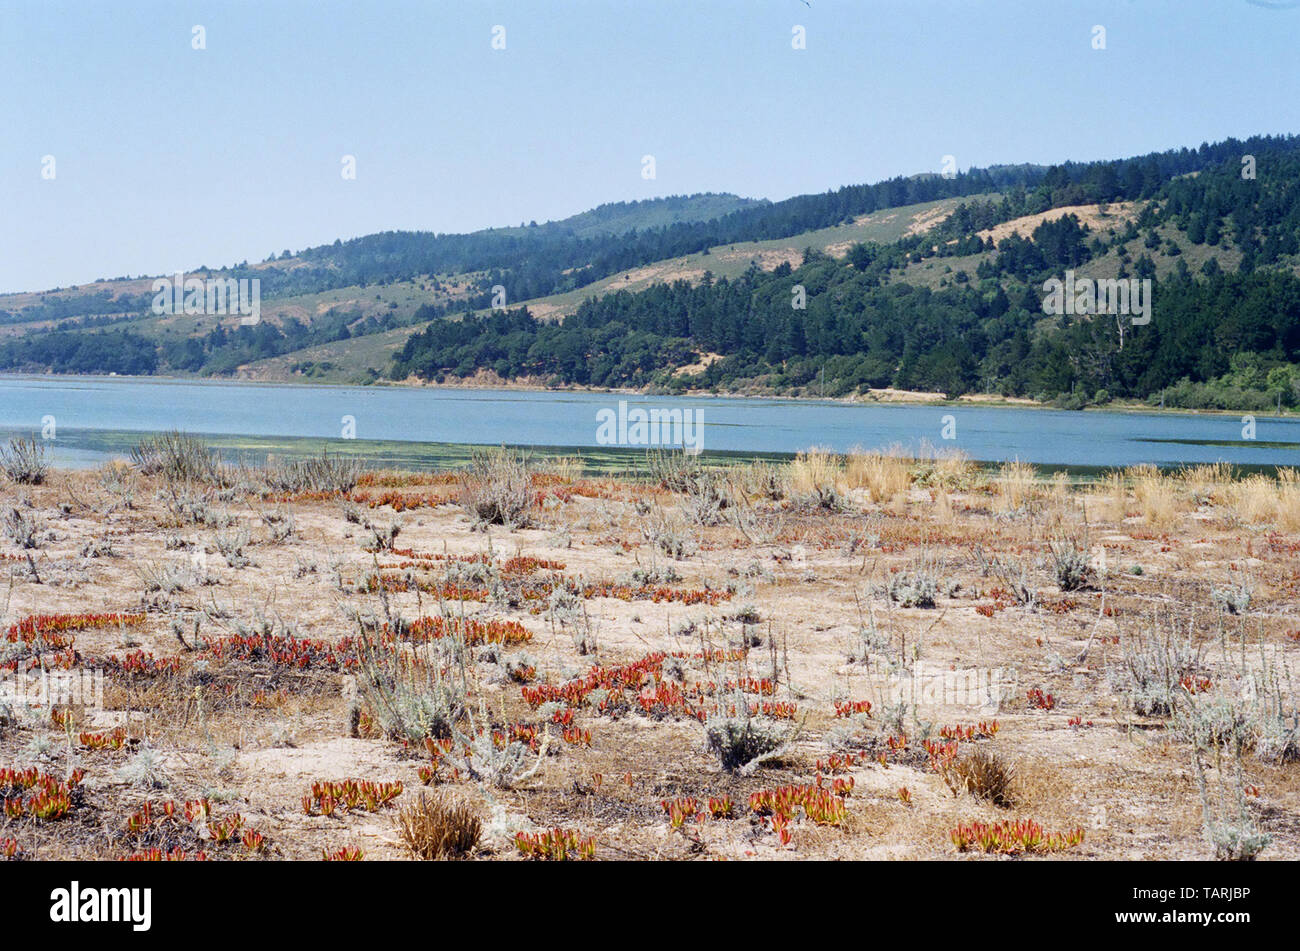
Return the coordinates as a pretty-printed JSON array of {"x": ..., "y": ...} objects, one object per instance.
[{"x": 169, "y": 158}]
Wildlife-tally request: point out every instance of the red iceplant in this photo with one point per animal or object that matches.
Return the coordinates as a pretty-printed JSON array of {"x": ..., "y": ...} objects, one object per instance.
[
  {"x": 1040, "y": 700},
  {"x": 822, "y": 806},
  {"x": 253, "y": 840},
  {"x": 475, "y": 632},
  {"x": 841, "y": 762},
  {"x": 113, "y": 740},
  {"x": 47, "y": 798},
  {"x": 283, "y": 650},
  {"x": 351, "y": 795},
  {"x": 158, "y": 855},
  {"x": 984, "y": 729},
  {"x": 348, "y": 853},
  {"x": 848, "y": 708},
  {"x": 42, "y": 626},
  {"x": 226, "y": 829},
  {"x": 941, "y": 754},
  {"x": 1195, "y": 685},
  {"x": 1012, "y": 837},
  {"x": 556, "y": 845}
]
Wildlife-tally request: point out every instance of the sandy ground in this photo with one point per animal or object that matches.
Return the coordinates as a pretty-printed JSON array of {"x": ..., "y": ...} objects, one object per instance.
[
  {"x": 1119, "y": 213},
  {"x": 801, "y": 617}
]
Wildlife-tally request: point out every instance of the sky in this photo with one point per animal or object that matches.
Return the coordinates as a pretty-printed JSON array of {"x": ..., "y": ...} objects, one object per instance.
[{"x": 166, "y": 157}]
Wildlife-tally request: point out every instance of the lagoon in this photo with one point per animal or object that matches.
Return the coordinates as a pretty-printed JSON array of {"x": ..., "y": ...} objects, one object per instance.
[{"x": 86, "y": 410}]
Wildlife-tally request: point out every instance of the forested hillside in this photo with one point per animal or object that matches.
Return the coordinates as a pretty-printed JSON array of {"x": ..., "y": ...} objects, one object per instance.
[
  {"x": 553, "y": 260},
  {"x": 1220, "y": 341},
  {"x": 954, "y": 306}
]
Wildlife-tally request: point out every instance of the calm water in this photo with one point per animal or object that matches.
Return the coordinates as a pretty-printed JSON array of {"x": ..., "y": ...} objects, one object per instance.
[{"x": 569, "y": 419}]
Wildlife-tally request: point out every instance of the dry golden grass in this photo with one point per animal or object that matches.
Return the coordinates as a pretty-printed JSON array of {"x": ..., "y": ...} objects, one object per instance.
[
  {"x": 1107, "y": 500},
  {"x": 1156, "y": 495},
  {"x": 882, "y": 475},
  {"x": 815, "y": 470},
  {"x": 1288, "y": 500},
  {"x": 1259, "y": 500},
  {"x": 1089, "y": 215},
  {"x": 1061, "y": 487},
  {"x": 955, "y": 470},
  {"x": 983, "y": 774},
  {"x": 1016, "y": 486},
  {"x": 439, "y": 827},
  {"x": 1039, "y": 786},
  {"x": 942, "y": 511},
  {"x": 1201, "y": 482},
  {"x": 1253, "y": 500}
]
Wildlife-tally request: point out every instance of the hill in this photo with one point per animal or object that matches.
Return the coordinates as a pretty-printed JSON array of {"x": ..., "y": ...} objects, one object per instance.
[
  {"x": 621, "y": 217},
  {"x": 922, "y": 282}
]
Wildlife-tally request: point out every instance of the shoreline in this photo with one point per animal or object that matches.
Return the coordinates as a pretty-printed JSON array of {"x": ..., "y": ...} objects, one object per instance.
[
  {"x": 903, "y": 399},
  {"x": 91, "y": 447}
]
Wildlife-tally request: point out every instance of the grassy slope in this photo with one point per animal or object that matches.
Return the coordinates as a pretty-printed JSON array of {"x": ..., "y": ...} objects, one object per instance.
[
  {"x": 348, "y": 361},
  {"x": 352, "y": 357},
  {"x": 622, "y": 217}
]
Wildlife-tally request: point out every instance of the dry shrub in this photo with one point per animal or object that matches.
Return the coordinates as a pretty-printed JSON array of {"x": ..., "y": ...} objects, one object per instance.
[
  {"x": 409, "y": 696},
  {"x": 179, "y": 457},
  {"x": 323, "y": 473},
  {"x": 20, "y": 528},
  {"x": 567, "y": 469},
  {"x": 673, "y": 469},
  {"x": 1071, "y": 562},
  {"x": 437, "y": 827},
  {"x": 1015, "y": 486},
  {"x": 497, "y": 488},
  {"x": 883, "y": 475},
  {"x": 708, "y": 495},
  {"x": 983, "y": 774},
  {"x": 764, "y": 480},
  {"x": 1220, "y": 731},
  {"x": 1156, "y": 658},
  {"x": 742, "y": 741},
  {"x": 23, "y": 461}
]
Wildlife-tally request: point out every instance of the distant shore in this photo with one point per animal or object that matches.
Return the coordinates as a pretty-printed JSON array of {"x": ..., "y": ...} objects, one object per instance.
[{"x": 882, "y": 397}]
